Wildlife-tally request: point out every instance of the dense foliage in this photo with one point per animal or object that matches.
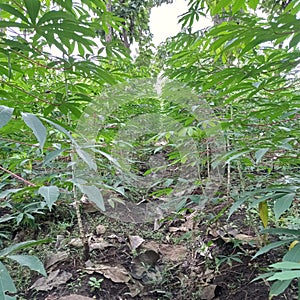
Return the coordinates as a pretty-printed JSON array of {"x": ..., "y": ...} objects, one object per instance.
[{"x": 57, "y": 57}]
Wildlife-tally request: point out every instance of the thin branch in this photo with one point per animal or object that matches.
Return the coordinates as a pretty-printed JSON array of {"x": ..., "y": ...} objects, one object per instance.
[
  {"x": 28, "y": 93},
  {"x": 17, "y": 177},
  {"x": 39, "y": 64}
]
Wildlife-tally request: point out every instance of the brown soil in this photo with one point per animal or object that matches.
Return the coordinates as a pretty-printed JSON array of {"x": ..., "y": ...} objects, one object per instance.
[{"x": 171, "y": 275}]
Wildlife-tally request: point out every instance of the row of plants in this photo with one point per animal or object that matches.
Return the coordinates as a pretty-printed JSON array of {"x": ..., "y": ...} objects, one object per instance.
[{"x": 244, "y": 67}]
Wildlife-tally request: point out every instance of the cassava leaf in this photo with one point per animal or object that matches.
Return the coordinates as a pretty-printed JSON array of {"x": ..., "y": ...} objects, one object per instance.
[
  {"x": 5, "y": 115},
  {"x": 271, "y": 246},
  {"x": 50, "y": 194},
  {"x": 279, "y": 287},
  {"x": 22, "y": 245},
  {"x": 93, "y": 194},
  {"x": 260, "y": 153},
  {"x": 32, "y": 262},
  {"x": 285, "y": 275},
  {"x": 34, "y": 123},
  {"x": 282, "y": 204},
  {"x": 6, "y": 283},
  {"x": 13, "y": 11},
  {"x": 33, "y": 8}
]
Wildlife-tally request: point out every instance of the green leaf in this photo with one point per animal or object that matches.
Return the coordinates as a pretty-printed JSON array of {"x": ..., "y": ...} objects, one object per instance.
[
  {"x": 286, "y": 265},
  {"x": 86, "y": 157},
  {"x": 93, "y": 194},
  {"x": 54, "y": 15},
  {"x": 295, "y": 40},
  {"x": 293, "y": 7},
  {"x": 281, "y": 231},
  {"x": 263, "y": 213},
  {"x": 61, "y": 129},
  {"x": 285, "y": 275},
  {"x": 33, "y": 8},
  {"x": 34, "y": 123},
  {"x": 237, "y": 155},
  {"x": 7, "y": 192},
  {"x": 221, "y": 4},
  {"x": 5, "y": 115},
  {"x": 260, "y": 153},
  {"x": 32, "y": 262},
  {"x": 6, "y": 283},
  {"x": 271, "y": 246},
  {"x": 13, "y": 12},
  {"x": 279, "y": 287},
  {"x": 236, "y": 205},
  {"x": 50, "y": 194},
  {"x": 293, "y": 255},
  {"x": 52, "y": 155},
  {"x": 23, "y": 245},
  {"x": 4, "y": 24},
  {"x": 6, "y": 218},
  {"x": 282, "y": 204},
  {"x": 253, "y": 3},
  {"x": 238, "y": 4}
]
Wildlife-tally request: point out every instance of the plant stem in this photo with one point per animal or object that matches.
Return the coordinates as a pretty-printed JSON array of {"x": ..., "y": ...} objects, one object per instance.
[
  {"x": 17, "y": 177},
  {"x": 84, "y": 240}
]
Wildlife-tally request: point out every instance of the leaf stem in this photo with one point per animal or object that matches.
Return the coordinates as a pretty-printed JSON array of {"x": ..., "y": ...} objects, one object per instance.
[{"x": 17, "y": 177}]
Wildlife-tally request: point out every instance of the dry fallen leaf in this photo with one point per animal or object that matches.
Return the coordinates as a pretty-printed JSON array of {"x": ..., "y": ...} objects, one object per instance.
[
  {"x": 188, "y": 225},
  {"x": 100, "y": 229},
  {"x": 98, "y": 243},
  {"x": 148, "y": 257},
  {"x": 135, "y": 241},
  {"x": 76, "y": 243},
  {"x": 53, "y": 280},
  {"x": 138, "y": 270},
  {"x": 173, "y": 252},
  {"x": 51, "y": 297},
  {"x": 54, "y": 258},
  {"x": 208, "y": 292},
  {"x": 116, "y": 274},
  {"x": 246, "y": 238},
  {"x": 135, "y": 288},
  {"x": 151, "y": 245},
  {"x": 169, "y": 252},
  {"x": 119, "y": 239},
  {"x": 75, "y": 297}
]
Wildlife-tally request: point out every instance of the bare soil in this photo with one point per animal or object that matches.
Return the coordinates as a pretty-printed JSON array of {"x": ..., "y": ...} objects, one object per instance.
[{"x": 182, "y": 259}]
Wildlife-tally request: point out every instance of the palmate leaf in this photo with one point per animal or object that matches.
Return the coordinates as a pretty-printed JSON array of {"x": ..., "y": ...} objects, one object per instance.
[
  {"x": 7, "y": 24},
  {"x": 271, "y": 246},
  {"x": 279, "y": 287},
  {"x": 23, "y": 245},
  {"x": 33, "y": 8},
  {"x": 286, "y": 265},
  {"x": 93, "y": 194},
  {"x": 14, "y": 12},
  {"x": 293, "y": 255},
  {"x": 285, "y": 275},
  {"x": 50, "y": 194},
  {"x": 55, "y": 16},
  {"x": 5, "y": 115},
  {"x": 282, "y": 204},
  {"x": 32, "y": 262},
  {"x": 34, "y": 123},
  {"x": 6, "y": 284}
]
